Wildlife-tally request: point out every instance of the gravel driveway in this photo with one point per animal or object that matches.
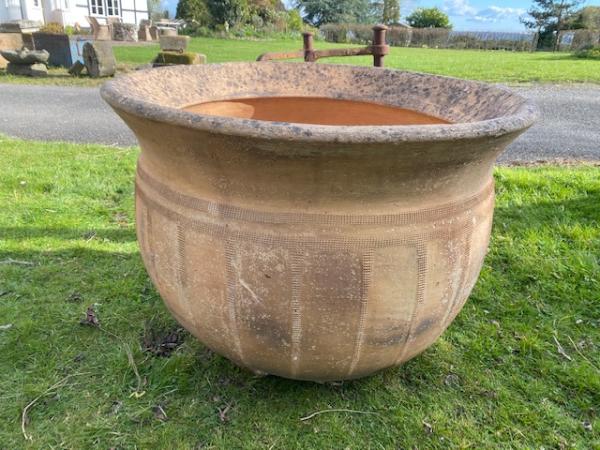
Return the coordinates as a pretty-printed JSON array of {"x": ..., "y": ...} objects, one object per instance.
[{"x": 569, "y": 126}]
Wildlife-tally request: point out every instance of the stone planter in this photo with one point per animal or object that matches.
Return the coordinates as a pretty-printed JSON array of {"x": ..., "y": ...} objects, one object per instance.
[
  {"x": 314, "y": 252},
  {"x": 64, "y": 50}
]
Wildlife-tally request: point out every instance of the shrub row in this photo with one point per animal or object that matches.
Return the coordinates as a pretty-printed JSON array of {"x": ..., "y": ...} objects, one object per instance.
[
  {"x": 431, "y": 37},
  {"x": 589, "y": 52},
  {"x": 577, "y": 39}
]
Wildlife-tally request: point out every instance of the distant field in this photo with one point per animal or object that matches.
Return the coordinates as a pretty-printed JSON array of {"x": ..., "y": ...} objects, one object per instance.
[{"x": 494, "y": 66}]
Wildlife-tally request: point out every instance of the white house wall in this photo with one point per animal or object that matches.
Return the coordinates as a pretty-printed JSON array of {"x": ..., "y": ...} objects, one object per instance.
[
  {"x": 20, "y": 9},
  {"x": 77, "y": 13},
  {"x": 132, "y": 11},
  {"x": 66, "y": 12},
  {"x": 10, "y": 10}
]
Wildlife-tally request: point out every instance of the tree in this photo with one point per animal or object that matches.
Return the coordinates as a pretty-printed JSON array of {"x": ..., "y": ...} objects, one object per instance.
[
  {"x": 231, "y": 12},
  {"x": 385, "y": 11},
  {"x": 429, "y": 18},
  {"x": 294, "y": 20},
  {"x": 391, "y": 12},
  {"x": 548, "y": 17},
  {"x": 587, "y": 18},
  {"x": 319, "y": 12},
  {"x": 265, "y": 9},
  {"x": 195, "y": 11},
  {"x": 154, "y": 9}
]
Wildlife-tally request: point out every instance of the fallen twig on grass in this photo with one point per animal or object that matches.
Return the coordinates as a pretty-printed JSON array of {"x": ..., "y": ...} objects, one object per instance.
[
  {"x": 325, "y": 411},
  {"x": 17, "y": 262},
  {"x": 223, "y": 413},
  {"x": 30, "y": 405},
  {"x": 582, "y": 355},
  {"x": 561, "y": 350},
  {"x": 159, "y": 413}
]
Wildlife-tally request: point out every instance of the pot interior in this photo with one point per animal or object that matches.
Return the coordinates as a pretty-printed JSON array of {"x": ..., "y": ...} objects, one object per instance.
[
  {"x": 314, "y": 110},
  {"x": 322, "y": 102}
]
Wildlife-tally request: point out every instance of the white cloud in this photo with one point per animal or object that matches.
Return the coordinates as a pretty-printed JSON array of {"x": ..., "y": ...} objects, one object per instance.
[
  {"x": 459, "y": 8},
  {"x": 497, "y": 13},
  {"x": 491, "y": 14}
]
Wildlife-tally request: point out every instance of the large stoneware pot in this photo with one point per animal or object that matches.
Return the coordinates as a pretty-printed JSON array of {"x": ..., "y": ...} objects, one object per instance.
[{"x": 326, "y": 240}]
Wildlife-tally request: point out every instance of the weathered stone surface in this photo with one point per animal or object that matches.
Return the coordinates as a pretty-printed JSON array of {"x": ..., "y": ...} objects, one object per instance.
[
  {"x": 174, "y": 43},
  {"x": 173, "y": 58},
  {"x": 99, "y": 59},
  {"x": 20, "y": 26},
  {"x": 28, "y": 42},
  {"x": 25, "y": 57},
  {"x": 144, "y": 34},
  {"x": 314, "y": 251},
  {"x": 76, "y": 68},
  {"x": 167, "y": 31},
  {"x": 200, "y": 58},
  {"x": 9, "y": 41},
  {"x": 124, "y": 32},
  {"x": 30, "y": 70}
]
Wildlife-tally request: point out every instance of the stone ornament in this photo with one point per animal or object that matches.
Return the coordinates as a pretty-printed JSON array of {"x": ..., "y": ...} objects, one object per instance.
[
  {"x": 25, "y": 56},
  {"x": 314, "y": 252},
  {"x": 99, "y": 59},
  {"x": 174, "y": 43},
  {"x": 25, "y": 62}
]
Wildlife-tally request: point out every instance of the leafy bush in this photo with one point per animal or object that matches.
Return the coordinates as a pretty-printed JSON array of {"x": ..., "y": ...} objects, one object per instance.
[
  {"x": 429, "y": 18},
  {"x": 195, "y": 12},
  {"x": 294, "y": 20},
  {"x": 398, "y": 36},
  {"x": 589, "y": 52},
  {"x": 238, "y": 18},
  {"x": 353, "y": 33},
  {"x": 323, "y": 12},
  {"x": 52, "y": 28}
]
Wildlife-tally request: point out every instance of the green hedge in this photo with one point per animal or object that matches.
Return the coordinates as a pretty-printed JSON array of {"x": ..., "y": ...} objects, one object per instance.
[{"x": 589, "y": 52}]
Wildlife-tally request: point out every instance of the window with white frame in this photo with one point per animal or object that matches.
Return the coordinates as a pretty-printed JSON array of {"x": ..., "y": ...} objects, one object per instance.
[
  {"x": 97, "y": 7},
  {"x": 112, "y": 7},
  {"x": 105, "y": 8}
]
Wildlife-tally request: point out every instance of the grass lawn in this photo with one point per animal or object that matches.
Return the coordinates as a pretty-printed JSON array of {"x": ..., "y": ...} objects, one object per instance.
[
  {"x": 58, "y": 76},
  {"x": 492, "y": 66},
  {"x": 519, "y": 368}
]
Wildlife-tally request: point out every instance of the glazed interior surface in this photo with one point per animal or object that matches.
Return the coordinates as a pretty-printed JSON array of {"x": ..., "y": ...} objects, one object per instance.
[{"x": 314, "y": 110}]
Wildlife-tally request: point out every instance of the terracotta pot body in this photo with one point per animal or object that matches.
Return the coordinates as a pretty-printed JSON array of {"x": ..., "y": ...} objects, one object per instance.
[{"x": 306, "y": 251}]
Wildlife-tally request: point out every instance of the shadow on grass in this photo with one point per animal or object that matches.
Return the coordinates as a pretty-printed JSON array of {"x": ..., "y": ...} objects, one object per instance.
[
  {"x": 559, "y": 57},
  {"x": 111, "y": 234},
  {"x": 46, "y": 320}
]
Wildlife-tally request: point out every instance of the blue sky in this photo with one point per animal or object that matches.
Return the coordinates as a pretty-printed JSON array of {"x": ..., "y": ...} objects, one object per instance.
[
  {"x": 466, "y": 15},
  {"x": 473, "y": 15}
]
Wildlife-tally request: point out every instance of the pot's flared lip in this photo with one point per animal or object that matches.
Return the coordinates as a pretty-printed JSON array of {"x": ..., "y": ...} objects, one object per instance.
[{"x": 122, "y": 95}]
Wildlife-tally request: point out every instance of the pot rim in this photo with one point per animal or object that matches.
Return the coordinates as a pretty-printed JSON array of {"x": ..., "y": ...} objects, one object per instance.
[{"x": 122, "y": 100}]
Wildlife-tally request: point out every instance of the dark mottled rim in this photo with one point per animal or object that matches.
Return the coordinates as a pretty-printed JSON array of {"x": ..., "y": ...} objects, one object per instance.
[{"x": 503, "y": 125}]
